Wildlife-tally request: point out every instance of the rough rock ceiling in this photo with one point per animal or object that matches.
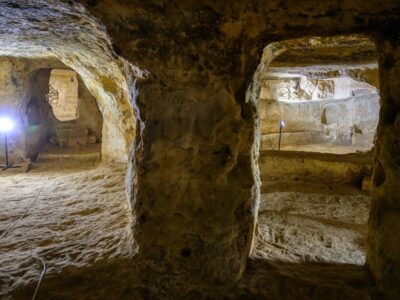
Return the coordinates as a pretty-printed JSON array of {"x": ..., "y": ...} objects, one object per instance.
[
  {"x": 353, "y": 49},
  {"x": 227, "y": 37}
]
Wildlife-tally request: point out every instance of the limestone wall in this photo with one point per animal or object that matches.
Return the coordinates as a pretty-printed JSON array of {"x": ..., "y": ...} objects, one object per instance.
[{"x": 338, "y": 110}]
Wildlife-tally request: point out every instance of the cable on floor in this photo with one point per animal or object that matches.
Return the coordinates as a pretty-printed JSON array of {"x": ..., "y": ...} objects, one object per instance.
[
  {"x": 42, "y": 274},
  {"x": 32, "y": 202},
  {"x": 25, "y": 212}
]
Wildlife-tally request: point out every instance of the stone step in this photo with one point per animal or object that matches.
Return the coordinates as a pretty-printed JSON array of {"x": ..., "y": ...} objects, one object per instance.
[
  {"x": 71, "y": 132},
  {"x": 271, "y": 141},
  {"x": 315, "y": 167},
  {"x": 73, "y": 141},
  {"x": 88, "y": 153}
]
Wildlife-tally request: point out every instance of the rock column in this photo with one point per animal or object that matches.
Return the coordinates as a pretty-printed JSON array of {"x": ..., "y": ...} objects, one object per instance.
[
  {"x": 193, "y": 187},
  {"x": 384, "y": 224}
]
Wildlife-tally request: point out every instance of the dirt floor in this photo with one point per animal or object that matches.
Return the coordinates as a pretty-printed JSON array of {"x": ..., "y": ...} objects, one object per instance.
[
  {"x": 312, "y": 222},
  {"x": 310, "y": 237},
  {"x": 79, "y": 217}
]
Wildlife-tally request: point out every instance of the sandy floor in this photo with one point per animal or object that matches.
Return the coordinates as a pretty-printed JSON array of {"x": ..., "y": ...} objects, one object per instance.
[
  {"x": 79, "y": 218},
  {"x": 310, "y": 222}
]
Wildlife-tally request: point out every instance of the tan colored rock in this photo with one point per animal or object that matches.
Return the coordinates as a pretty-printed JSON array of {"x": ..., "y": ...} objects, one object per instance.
[
  {"x": 339, "y": 110},
  {"x": 308, "y": 166},
  {"x": 193, "y": 178},
  {"x": 63, "y": 94},
  {"x": 311, "y": 221}
]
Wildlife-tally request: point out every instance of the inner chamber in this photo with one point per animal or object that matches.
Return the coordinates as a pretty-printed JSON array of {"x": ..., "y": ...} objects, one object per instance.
[
  {"x": 52, "y": 109},
  {"x": 319, "y": 109}
]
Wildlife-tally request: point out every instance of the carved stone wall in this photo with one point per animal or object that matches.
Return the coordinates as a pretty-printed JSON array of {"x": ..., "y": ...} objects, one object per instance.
[
  {"x": 289, "y": 87},
  {"x": 337, "y": 110},
  {"x": 197, "y": 51},
  {"x": 193, "y": 175}
]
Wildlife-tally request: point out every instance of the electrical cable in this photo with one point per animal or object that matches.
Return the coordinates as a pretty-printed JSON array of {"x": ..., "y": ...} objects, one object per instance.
[
  {"x": 31, "y": 203},
  {"x": 25, "y": 212},
  {"x": 61, "y": 149},
  {"x": 42, "y": 274},
  {"x": 44, "y": 270},
  {"x": 4, "y": 234}
]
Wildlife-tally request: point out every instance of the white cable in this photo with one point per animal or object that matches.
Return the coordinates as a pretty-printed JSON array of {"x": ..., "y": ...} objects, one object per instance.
[
  {"x": 44, "y": 270},
  {"x": 41, "y": 275},
  {"x": 29, "y": 205},
  {"x": 25, "y": 212}
]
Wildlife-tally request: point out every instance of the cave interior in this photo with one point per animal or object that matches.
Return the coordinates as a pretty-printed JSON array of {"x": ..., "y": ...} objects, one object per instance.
[{"x": 199, "y": 150}]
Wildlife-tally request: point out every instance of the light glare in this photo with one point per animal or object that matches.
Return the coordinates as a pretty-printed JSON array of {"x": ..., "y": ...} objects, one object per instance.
[{"x": 6, "y": 124}]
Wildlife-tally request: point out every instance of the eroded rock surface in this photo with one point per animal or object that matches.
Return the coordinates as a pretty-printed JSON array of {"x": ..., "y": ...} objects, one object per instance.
[
  {"x": 302, "y": 222},
  {"x": 193, "y": 178}
]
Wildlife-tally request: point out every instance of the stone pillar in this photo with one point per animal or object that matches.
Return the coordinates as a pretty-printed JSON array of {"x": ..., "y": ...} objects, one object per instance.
[
  {"x": 384, "y": 224},
  {"x": 193, "y": 187}
]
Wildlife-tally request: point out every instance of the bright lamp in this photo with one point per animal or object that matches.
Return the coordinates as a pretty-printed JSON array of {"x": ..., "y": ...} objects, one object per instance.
[{"x": 6, "y": 124}]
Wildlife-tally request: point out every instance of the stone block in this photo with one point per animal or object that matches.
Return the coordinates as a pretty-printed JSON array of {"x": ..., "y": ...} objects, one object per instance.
[{"x": 322, "y": 167}]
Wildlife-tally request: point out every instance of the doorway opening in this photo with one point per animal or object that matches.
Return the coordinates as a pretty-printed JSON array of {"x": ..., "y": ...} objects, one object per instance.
[
  {"x": 319, "y": 98},
  {"x": 61, "y": 194},
  {"x": 62, "y": 117}
]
